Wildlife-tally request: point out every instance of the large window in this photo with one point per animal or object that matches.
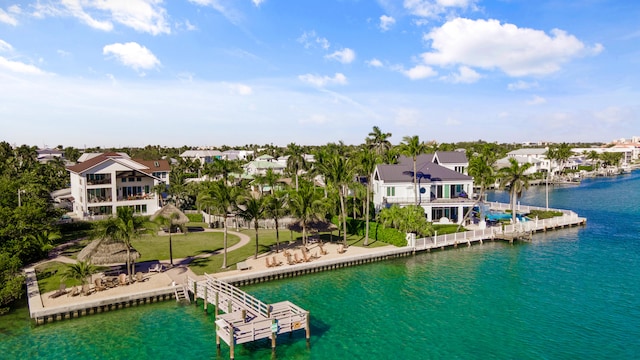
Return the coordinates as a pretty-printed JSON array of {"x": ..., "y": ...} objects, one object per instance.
[
  {"x": 391, "y": 191},
  {"x": 93, "y": 179}
]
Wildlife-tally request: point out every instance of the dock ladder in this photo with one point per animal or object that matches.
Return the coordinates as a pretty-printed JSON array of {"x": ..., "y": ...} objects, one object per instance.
[{"x": 182, "y": 294}]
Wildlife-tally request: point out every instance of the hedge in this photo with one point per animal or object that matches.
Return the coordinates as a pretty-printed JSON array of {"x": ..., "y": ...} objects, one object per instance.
[
  {"x": 376, "y": 231},
  {"x": 194, "y": 217}
]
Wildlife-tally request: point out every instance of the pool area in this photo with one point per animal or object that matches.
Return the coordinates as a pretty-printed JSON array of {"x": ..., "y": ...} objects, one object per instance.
[{"x": 499, "y": 215}]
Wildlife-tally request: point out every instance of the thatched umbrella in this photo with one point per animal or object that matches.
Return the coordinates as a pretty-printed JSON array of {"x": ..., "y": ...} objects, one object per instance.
[
  {"x": 172, "y": 216},
  {"x": 107, "y": 251},
  {"x": 313, "y": 226}
]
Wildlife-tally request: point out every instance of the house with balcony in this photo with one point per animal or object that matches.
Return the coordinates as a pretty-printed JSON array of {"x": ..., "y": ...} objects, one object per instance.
[
  {"x": 444, "y": 194},
  {"x": 107, "y": 181},
  {"x": 453, "y": 160}
]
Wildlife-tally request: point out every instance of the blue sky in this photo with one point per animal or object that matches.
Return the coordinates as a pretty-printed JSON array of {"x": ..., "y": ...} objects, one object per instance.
[{"x": 213, "y": 72}]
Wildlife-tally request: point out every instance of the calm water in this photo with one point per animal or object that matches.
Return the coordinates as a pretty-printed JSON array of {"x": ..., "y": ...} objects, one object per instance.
[{"x": 569, "y": 294}]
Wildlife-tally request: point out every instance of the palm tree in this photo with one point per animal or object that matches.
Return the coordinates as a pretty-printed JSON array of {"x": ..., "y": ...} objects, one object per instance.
[
  {"x": 252, "y": 209},
  {"x": 223, "y": 168},
  {"x": 515, "y": 178},
  {"x": 80, "y": 271},
  {"x": 412, "y": 147},
  {"x": 271, "y": 179},
  {"x": 378, "y": 141},
  {"x": 296, "y": 161},
  {"x": 338, "y": 172},
  {"x": 276, "y": 208},
  {"x": 124, "y": 227},
  {"x": 367, "y": 162},
  {"x": 171, "y": 222},
  {"x": 306, "y": 205},
  {"x": 220, "y": 198}
]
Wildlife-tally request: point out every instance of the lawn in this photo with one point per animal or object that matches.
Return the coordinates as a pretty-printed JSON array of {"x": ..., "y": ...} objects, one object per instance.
[
  {"x": 156, "y": 247},
  {"x": 50, "y": 276},
  {"x": 266, "y": 238}
]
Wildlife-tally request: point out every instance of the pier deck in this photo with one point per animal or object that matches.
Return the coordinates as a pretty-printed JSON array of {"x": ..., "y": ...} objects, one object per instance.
[{"x": 246, "y": 318}]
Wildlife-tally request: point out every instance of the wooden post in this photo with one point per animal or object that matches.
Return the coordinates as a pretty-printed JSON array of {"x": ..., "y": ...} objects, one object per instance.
[
  {"x": 273, "y": 338},
  {"x": 205, "y": 299},
  {"x": 195, "y": 292},
  {"x": 215, "y": 317},
  {"x": 308, "y": 327},
  {"x": 232, "y": 342},
  {"x": 244, "y": 315}
]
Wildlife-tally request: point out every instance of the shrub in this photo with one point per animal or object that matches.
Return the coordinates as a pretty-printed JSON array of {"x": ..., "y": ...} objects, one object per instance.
[
  {"x": 376, "y": 231},
  {"x": 194, "y": 217}
]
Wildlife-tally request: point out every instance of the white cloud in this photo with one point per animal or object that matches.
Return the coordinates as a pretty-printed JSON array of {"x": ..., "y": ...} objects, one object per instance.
[
  {"x": 536, "y": 100},
  {"x": 522, "y": 85},
  {"x": 19, "y": 67},
  {"x": 614, "y": 115},
  {"x": 240, "y": 89},
  {"x": 9, "y": 16},
  {"x": 386, "y": 22},
  {"x": 322, "y": 81},
  {"x": 419, "y": 72},
  {"x": 488, "y": 44},
  {"x": 465, "y": 75},
  {"x": 310, "y": 39},
  {"x": 406, "y": 117},
  {"x": 5, "y": 46},
  {"x": 63, "y": 53},
  {"x": 189, "y": 26},
  {"x": 433, "y": 8},
  {"x": 224, "y": 7},
  {"x": 345, "y": 56},
  {"x": 452, "y": 122},
  {"x": 317, "y": 119},
  {"x": 257, "y": 2},
  {"x": 133, "y": 55},
  {"x": 146, "y": 16},
  {"x": 374, "y": 63}
]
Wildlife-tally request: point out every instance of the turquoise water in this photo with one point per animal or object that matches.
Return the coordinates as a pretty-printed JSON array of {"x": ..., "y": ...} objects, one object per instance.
[{"x": 569, "y": 294}]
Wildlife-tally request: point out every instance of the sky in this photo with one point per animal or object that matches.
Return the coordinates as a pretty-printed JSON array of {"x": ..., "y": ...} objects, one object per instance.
[{"x": 115, "y": 73}]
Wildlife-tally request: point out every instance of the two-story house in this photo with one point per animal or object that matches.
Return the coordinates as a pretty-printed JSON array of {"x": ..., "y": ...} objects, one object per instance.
[
  {"x": 442, "y": 192},
  {"x": 107, "y": 181}
]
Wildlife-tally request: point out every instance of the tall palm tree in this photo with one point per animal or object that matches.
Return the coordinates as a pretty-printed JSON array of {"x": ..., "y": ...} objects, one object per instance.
[
  {"x": 411, "y": 146},
  {"x": 296, "y": 161},
  {"x": 171, "y": 222},
  {"x": 271, "y": 179},
  {"x": 483, "y": 173},
  {"x": 223, "y": 168},
  {"x": 515, "y": 178},
  {"x": 124, "y": 227},
  {"x": 306, "y": 205},
  {"x": 367, "y": 162},
  {"x": 252, "y": 209},
  {"x": 80, "y": 271},
  {"x": 378, "y": 141},
  {"x": 220, "y": 198},
  {"x": 338, "y": 172},
  {"x": 276, "y": 208}
]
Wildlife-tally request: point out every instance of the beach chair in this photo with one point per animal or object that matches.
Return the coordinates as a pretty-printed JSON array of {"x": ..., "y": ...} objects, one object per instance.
[
  {"x": 305, "y": 255},
  {"x": 290, "y": 261},
  {"x": 98, "y": 285},
  {"x": 74, "y": 292},
  {"x": 156, "y": 268},
  {"x": 296, "y": 258},
  {"x": 140, "y": 277},
  {"x": 275, "y": 262},
  {"x": 61, "y": 291},
  {"x": 122, "y": 279},
  {"x": 322, "y": 250},
  {"x": 267, "y": 262},
  {"x": 341, "y": 249}
]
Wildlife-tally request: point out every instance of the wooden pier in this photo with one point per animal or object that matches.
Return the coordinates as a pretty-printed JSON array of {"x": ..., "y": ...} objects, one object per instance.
[{"x": 246, "y": 318}]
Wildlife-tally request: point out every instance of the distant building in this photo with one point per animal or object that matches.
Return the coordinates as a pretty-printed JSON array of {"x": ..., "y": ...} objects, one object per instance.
[
  {"x": 46, "y": 155},
  {"x": 203, "y": 156},
  {"x": 102, "y": 183}
]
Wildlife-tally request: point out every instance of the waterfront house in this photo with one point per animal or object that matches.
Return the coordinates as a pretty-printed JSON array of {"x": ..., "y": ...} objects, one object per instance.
[
  {"x": 444, "y": 194},
  {"x": 107, "y": 181}
]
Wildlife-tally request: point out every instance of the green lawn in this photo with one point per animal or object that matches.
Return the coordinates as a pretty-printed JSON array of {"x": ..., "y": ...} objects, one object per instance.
[
  {"x": 50, "y": 276},
  {"x": 156, "y": 247}
]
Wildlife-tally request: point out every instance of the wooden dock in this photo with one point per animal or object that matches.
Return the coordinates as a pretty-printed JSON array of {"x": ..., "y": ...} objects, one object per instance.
[{"x": 246, "y": 318}]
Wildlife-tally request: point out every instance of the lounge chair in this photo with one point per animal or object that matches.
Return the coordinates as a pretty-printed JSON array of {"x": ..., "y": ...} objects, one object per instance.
[
  {"x": 296, "y": 258},
  {"x": 122, "y": 279},
  {"x": 86, "y": 289},
  {"x": 140, "y": 277},
  {"x": 61, "y": 291},
  {"x": 268, "y": 263},
  {"x": 275, "y": 262},
  {"x": 98, "y": 285},
  {"x": 289, "y": 260},
  {"x": 322, "y": 250},
  {"x": 305, "y": 255},
  {"x": 74, "y": 292},
  {"x": 341, "y": 249},
  {"x": 156, "y": 268}
]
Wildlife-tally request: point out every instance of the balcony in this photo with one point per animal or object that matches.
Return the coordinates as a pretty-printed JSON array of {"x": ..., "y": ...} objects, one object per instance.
[
  {"x": 137, "y": 197},
  {"x": 94, "y": 179}
]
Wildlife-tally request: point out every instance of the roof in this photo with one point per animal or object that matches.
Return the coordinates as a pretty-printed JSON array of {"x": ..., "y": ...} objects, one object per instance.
[
  {"x": 265, "y": 157},
  {"x": 201, "y": 153},
  {"x": 504, "y": 162},
  {"x": 402, "y": 173},
  {"x": 441, "y": 157},
  {"x": 266, "y": 165},
  {"x": 88, "y": 156},
  {"x": 137, "y": 164},
  {"x": 528, "y": 152}
]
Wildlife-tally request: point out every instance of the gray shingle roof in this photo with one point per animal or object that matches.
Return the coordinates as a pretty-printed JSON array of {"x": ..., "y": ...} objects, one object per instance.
[
  {"x": 444, "y": 157},
  {"x": 402, "y": 172}
]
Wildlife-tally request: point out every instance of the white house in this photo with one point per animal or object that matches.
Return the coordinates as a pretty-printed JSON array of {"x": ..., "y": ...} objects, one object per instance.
[
  {"x": 261, "y": 164},
  {"x": 105, "y": 182},
  {"x": 444, "y": 194},
  {"x": 204, "y": 156}
]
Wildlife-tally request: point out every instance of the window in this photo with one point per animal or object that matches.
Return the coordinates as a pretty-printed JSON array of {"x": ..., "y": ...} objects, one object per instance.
[
  {"x": 139, "y": 178},
  {"x": 391, "y": 191},
  {"x": 124, "y": 179}
]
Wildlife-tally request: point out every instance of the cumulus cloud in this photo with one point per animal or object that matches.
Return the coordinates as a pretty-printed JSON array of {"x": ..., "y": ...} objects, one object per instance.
[
  {"x": 433, "y": 8},
  {"x": 488, "y": 44},
  {"x": 19, "y": 67},
  {"x": 419, "y": 72},
  {"x": 536, "y": 100},
  {"x": 9, "y": 16},
  {"x": 310, "y": 39},
  {"x": 465, "y": 75},
  {"x": 386, "y": 22},
  {"x": 374, "y": 63},
  {"x": 257, "y": 2},
  {"x": 345, "y": 56},
  {"x": 522, "y": 85},
  {"x": 322, "y": 81},
  {"x": 240, "y": 89},
  {"x": 133, "y": 55},
  {"x": 146, "y": 16},
  {"x": 5, "y": 46}
]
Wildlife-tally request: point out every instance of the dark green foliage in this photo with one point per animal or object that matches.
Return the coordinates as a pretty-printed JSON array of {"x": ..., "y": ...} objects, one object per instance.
[
  {"x": 543, "y": 214},
  {"x": 377, "y": 232},
  {"x": 194, "y": 217}
]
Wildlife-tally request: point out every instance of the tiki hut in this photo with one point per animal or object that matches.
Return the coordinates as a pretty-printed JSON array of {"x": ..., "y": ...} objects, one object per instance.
[
  {"x": 171, "y": 212},
  {"x": 313, "y": 227},
  {"x": 107, "y": 251}
]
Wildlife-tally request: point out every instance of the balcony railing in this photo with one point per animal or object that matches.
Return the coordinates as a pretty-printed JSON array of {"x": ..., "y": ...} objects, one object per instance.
[
  {"x": 136, "y": 197},
  {"x": 105, "y": 181}
]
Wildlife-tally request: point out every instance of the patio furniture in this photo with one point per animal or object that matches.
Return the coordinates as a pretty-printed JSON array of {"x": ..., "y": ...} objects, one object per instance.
[
  {"x": 98, "y": 285},
  {"x": 156, "y": 268},
  {"x": 61, "y": 291},
  {"x": 242, "y": 265}
]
